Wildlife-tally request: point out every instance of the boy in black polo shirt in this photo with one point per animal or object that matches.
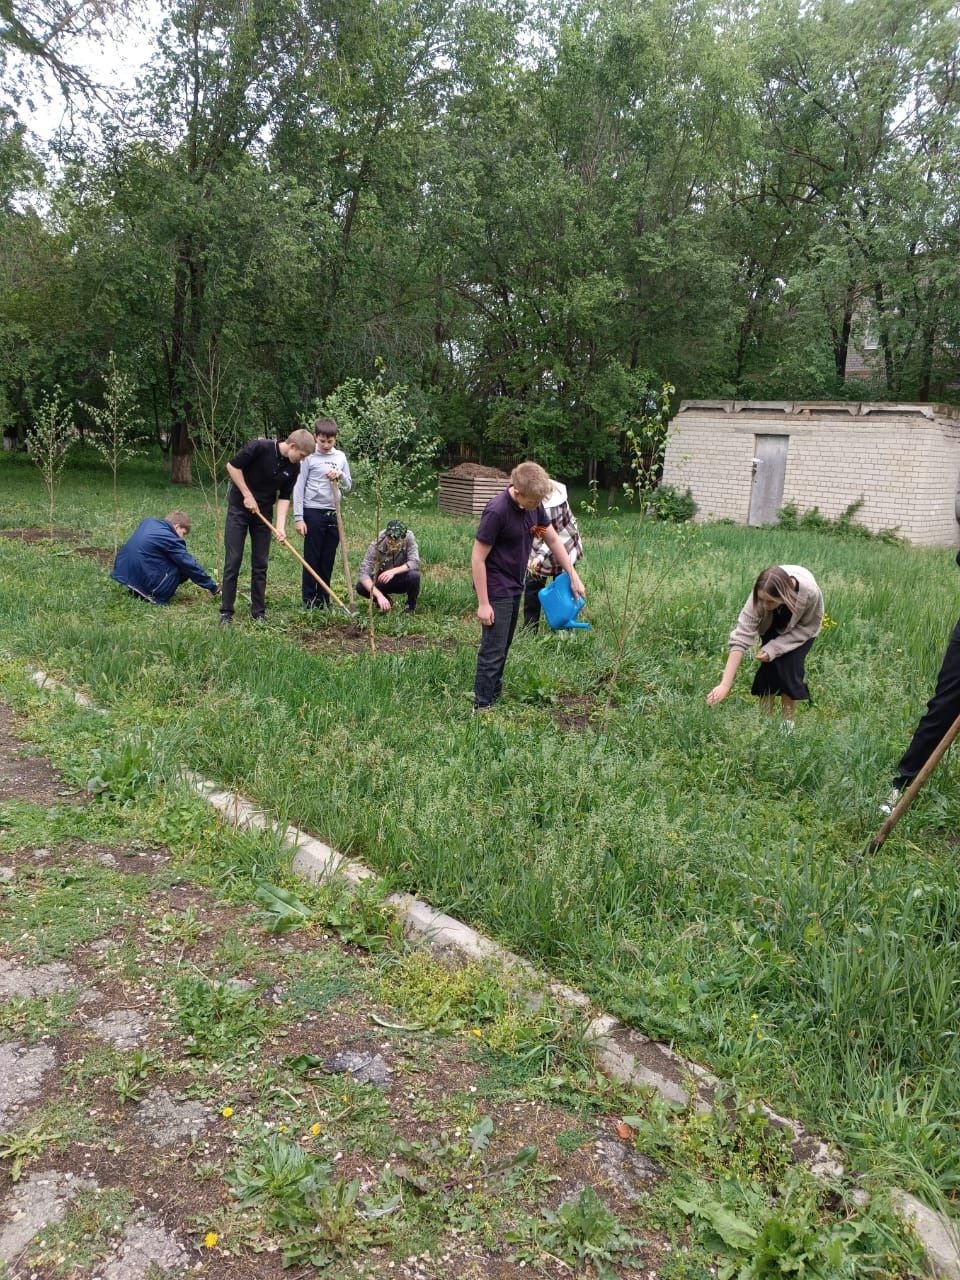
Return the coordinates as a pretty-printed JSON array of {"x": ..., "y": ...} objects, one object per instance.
[
  {"x": 509, "y": 523},
  {"x": 262, "y": 471}
]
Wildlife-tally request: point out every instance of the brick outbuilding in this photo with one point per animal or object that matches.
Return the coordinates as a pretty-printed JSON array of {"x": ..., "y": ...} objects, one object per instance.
[{"x": 744, "y": 459}]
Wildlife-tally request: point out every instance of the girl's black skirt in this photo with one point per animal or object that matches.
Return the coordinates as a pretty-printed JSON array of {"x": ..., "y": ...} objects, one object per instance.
[{"x": 786, "y": 673}]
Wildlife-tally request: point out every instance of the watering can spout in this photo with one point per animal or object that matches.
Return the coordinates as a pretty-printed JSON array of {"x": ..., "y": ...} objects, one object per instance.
[{"x": 561, "y": 606}]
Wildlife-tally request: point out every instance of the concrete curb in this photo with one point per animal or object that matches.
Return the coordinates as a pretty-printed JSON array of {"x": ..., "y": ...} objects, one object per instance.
[{"x": 624, "y": 1054}]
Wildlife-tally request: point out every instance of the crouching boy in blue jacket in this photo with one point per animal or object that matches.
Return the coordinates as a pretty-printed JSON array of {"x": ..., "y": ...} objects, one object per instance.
[{"x": 154, "y": 560}]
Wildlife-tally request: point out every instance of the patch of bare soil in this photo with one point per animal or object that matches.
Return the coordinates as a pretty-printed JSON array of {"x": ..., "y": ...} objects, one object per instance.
[
  {"x": 574, "y": 710},
  {"x": 41, "y": 535},
  {"x": 103, "y": 554},
  {"x": 26, "y": 777},
  {"x": 355, "y": 639}
]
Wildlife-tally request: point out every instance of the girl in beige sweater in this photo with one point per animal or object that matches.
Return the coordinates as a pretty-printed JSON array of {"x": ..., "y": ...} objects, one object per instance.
[{"x": 784, "y": 611}]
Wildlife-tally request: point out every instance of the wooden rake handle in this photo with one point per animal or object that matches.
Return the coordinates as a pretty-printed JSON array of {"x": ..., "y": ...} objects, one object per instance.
[
  {"x": 343, "y": 543},
  {"x": 908, "y": 797},
  {"x": 297, "y": 556}
]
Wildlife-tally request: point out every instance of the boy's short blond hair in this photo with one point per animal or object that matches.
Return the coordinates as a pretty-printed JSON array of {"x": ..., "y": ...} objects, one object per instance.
[
  {"x": 179, "y": 520},
  {"x": 302, "y": 441},
  {"x": 530, "y": 479}
]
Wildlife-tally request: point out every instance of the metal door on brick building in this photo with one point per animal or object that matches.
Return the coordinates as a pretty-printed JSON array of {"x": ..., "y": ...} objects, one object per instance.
[{"x": 769, "y": 473}]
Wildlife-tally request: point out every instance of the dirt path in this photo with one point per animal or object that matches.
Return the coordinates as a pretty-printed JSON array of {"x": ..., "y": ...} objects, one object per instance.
[{"x": 182, "y": 1091}]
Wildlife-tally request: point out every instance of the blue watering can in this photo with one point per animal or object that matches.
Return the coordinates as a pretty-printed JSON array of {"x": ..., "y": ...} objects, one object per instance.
[{"x": 561, "y": 606}]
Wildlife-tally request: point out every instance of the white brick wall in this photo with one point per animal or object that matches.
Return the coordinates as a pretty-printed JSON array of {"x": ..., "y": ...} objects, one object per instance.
[{"x": 905, "y": 467}]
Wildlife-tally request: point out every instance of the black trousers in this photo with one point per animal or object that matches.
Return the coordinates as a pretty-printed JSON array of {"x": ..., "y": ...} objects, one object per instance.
[
  {"x": 942, "y": 709},
  {"x": 494, "y": 646},
  {"x": 532, "y": 586},
  {"x": 239, "y": 523},
  {"x": 320, "y": 553},
  {"x": 406, "y": 583}
]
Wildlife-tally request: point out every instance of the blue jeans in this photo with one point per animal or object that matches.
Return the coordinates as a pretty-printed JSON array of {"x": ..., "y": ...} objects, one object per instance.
[
  {"x": 320, "y": 553},
  {"x": 494, "y": 646}
]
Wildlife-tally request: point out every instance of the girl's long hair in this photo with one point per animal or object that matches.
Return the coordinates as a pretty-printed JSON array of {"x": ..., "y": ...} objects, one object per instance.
[{"x": 776, "y": 582}]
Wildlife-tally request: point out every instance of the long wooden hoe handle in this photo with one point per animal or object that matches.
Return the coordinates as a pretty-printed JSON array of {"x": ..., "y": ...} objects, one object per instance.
[
  {"x": 908, "y": 797},
  {"x": 297, "y": 556},
  {"x": 343, "y": 543}
]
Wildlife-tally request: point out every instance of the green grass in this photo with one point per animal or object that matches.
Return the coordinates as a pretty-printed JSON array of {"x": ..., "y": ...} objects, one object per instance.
[{"x": 692, "y": 868}]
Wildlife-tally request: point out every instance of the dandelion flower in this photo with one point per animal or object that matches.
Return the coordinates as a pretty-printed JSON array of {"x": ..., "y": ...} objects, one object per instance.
[
  {"x": 210, "y": 1240},
  {"x": 315, "y": 1129},
  {"x": 475, "y": 1031},
  {"x": 227, "y": 1112}
]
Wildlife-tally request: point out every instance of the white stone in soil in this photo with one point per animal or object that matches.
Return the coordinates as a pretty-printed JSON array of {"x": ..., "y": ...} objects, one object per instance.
[
  {"x": 39, "y": 1201},
  {"x": 22, "y": 1070},
  {"x": 366, "y": 1068},
  {"x": 168, "y": 1121},
  {"x": 145, "y": 1245},
  {"x": 626, "y": 1169},
  {"x": 19, "y": 982},
  {"x": 123, "y": 1028}
]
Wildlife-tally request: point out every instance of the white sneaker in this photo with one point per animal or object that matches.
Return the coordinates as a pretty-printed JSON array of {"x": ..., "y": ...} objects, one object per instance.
[{"x": 891, "y": 802}]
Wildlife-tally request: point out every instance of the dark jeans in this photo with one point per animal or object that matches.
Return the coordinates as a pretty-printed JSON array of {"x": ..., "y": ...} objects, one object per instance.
[
  {"x": 494, "y": 646},
  {"x": 406, "y": 583},
  {"x": 239, "y": 523},
  {"x": 320, "y": 553},
  {"x": 942, "y": 709},
  {"x": 532, "y": 586}
]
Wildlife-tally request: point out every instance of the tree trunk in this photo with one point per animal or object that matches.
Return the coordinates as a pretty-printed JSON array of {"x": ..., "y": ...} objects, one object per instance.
[
  {"x": 841, "y": 336},
  {"x": 184, "y": 343},
  {"x": 180, "y": 468}
]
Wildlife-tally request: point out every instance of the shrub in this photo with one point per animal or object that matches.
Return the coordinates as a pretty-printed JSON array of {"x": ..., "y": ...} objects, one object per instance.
[
  {"x": 789, "y": 517},
  {"x": 668, "y": 503}
]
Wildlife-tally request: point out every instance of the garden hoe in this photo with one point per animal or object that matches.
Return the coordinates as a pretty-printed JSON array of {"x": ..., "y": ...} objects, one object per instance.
[
  {"x": 910, "y": 794},
  {"x": 297, "y": 556},
  {"x": 343, "y": 543}
]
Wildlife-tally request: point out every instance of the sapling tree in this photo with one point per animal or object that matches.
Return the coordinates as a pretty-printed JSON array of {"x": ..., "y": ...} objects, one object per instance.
[
  {"x": 390, "y": 451},
  {"x": 116, "y": 425},
  {"x": 49, "y": 437},
  {"x": 215, "y": 431}
]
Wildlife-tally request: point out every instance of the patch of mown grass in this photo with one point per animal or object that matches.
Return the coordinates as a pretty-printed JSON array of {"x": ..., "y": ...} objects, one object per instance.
[
  {"x": 27, "y": 825},
  {"x": 689, "y": 867},
  {"x": 50, "y": 910}
]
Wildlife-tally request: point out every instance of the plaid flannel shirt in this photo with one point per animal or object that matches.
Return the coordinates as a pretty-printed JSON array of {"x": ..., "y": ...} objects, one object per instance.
[{"x": 561, "y": 517}]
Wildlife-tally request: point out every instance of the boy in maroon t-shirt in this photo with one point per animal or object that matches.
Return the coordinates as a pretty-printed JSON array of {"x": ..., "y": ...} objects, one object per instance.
[{"x": 508, "y": 526}]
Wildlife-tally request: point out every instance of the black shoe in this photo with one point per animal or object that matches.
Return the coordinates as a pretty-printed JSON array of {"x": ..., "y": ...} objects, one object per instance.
[
  {"x": 226, "y": 619},
  {"x": 259, "y": 617}
]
